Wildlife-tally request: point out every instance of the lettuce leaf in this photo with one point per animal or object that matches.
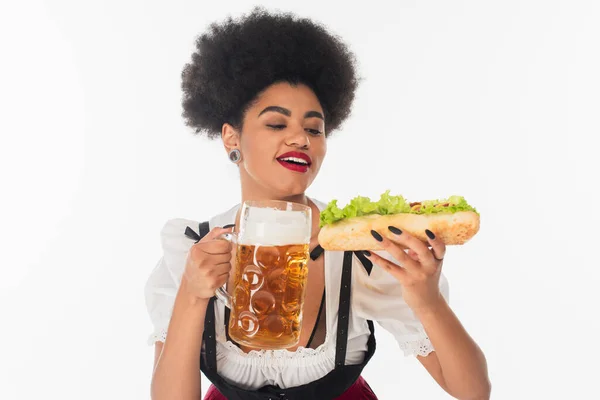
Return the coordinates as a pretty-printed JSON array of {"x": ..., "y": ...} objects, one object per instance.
[{"x": 389, "y": 204}]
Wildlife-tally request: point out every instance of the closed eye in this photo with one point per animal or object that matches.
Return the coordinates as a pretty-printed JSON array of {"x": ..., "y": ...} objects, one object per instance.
[{"x": 315, "y": 132}]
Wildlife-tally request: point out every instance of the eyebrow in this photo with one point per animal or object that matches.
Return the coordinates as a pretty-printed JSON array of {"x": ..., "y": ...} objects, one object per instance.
[{"x": 288, "y": 113}]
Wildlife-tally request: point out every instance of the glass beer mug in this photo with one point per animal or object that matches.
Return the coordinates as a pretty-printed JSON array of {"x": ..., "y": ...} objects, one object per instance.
[{"x": 270, "y": 266}]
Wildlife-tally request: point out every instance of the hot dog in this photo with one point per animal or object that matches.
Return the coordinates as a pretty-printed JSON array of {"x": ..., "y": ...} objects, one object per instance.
[{"x": 452, "y": 220}]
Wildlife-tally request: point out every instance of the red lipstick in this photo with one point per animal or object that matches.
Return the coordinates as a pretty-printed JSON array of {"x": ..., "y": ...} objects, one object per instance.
[{"x": 295, "y": 161}]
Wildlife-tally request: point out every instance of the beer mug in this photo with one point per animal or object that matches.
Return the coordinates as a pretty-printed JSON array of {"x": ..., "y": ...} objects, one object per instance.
[{"x": 270, "y": 266}]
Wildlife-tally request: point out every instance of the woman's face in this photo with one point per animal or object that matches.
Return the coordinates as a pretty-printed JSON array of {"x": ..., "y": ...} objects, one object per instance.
[{"x": 282, "y": 142}]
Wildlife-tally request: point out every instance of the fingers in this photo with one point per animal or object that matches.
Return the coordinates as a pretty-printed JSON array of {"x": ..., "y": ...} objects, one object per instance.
[
  {"x": 213, "y": 246},
  {"x": 437, "y": 246},
  {"x": 417, "y": 246},
  {"x": 211, "y": 256},
  {"x": 413, "y": 254},
  {"x": 418, "y": 254},
  {"x": 209, "y": 273},
  {"x": 209, "y": 263},
  {"x": 200, "y": 260},
  {"x": 220, "y": 269},
  {"x": 218, "y": 275},
  {"x": 397, "y": 271},
  {"x": 215, "y": 233},
  {"x": 207, "y": 284},
  {"x": 396, "y": 252},
  {"x": 211, "y": 259},
  {"x": 216, "y": 251}
]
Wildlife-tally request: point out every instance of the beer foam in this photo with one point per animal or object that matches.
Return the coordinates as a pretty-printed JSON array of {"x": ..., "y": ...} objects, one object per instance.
[{"x": 270, "y": 227}]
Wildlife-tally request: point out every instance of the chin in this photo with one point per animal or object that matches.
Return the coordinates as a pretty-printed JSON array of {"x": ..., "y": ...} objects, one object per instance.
[{"x": 291, "y": 189}]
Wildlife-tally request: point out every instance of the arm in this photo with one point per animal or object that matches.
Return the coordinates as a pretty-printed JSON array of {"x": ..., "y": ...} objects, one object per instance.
[
  {"x": 176, "y": 367},
  {"x": 176, "y": 373},
  {"x": 457, "y": 364}
]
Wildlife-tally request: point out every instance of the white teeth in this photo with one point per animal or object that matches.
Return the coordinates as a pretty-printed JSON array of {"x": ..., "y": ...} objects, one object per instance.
[{"x": 296, "y": 160}]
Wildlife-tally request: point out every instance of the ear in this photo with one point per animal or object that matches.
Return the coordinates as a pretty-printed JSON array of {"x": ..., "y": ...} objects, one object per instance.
[{"x": 230, "y": 137}]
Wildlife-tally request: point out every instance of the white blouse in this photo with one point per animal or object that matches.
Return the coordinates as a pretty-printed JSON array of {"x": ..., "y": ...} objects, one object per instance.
[{"x": 376, "y": 297}]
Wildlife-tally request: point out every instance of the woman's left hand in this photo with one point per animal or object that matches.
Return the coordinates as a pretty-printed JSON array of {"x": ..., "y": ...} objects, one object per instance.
[{"x": 419, "y": 270}]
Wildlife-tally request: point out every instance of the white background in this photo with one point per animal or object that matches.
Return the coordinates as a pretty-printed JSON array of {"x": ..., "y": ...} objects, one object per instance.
[{"x": 496, "y": 101}]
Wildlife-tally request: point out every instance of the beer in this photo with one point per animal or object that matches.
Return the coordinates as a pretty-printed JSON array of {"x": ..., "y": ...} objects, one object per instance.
[
  {"x": 270, "y": 268},
  {"x": 268, "y": 296}
]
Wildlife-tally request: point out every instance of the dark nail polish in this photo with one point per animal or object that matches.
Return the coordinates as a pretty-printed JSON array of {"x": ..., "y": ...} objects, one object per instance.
[
  {"x": 395, "y": 230},
  {"x": 377, "y": 236},
  {"x": 429, "y": 234},
  {"x": 367, "y": 253},
  {"x": 228, "y": 226}
]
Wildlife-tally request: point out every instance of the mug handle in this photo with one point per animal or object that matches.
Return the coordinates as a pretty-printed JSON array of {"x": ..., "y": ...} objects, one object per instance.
[{"x": 221, "y": 293}]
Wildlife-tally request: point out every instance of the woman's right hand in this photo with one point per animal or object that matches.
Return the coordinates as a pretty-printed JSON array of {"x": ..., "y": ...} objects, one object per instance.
[{"x": 208, "y": 264}]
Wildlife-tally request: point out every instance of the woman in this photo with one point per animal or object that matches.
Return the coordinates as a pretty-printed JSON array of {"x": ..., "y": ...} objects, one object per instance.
[{"x": 271, "y": 85}]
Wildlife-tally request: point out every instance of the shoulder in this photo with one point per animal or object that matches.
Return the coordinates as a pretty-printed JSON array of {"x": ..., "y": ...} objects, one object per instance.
[
  {"x": 175, "y": 227},
  {"x": 172, "y": 233}
]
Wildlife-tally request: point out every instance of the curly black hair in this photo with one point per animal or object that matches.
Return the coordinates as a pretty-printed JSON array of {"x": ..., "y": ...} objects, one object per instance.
[{"x": 236, "y": 60}]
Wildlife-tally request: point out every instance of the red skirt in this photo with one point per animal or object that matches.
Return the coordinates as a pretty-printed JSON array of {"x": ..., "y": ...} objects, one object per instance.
[{"x": 360, "y": 390}]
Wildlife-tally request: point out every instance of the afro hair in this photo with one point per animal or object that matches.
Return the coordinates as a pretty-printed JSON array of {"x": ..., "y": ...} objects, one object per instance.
[{"x": 235, "y": 61}]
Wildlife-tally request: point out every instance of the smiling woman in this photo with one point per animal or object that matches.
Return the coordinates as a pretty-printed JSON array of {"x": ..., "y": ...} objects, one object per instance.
[
  {"x": 273, "y": 87},
  {"x": 282, "y": 143}
]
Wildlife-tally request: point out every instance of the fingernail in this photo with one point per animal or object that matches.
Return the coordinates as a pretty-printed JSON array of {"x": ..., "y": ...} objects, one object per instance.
[
  {"x": 367, "y": 253},
  {"x": 430, "y": 234},
  {"x": 228, "y": 226},
  {"x": 377, "y": 236},
  {"x": 395, "y": 230}
]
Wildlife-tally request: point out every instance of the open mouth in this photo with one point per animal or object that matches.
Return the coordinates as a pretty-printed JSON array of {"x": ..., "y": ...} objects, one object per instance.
[{"x": 295, "y": 161}]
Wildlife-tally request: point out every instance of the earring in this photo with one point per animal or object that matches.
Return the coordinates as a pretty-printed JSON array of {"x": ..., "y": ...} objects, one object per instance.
[{"x": 235, "y": 156}]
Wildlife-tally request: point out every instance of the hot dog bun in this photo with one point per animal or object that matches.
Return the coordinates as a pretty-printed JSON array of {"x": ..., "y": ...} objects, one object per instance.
[
  {"x": 453, "y": 220},
  {"x": 355, "y": 233}
]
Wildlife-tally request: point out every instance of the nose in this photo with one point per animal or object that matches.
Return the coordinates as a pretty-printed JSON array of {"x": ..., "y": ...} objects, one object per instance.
[{"x": 298, "y": 138}]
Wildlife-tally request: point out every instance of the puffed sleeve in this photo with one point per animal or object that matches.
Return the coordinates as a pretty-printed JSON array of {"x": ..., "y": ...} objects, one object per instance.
[
  {"x": 378, "y": 297},
  {"x": 162, "y": 284}
]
